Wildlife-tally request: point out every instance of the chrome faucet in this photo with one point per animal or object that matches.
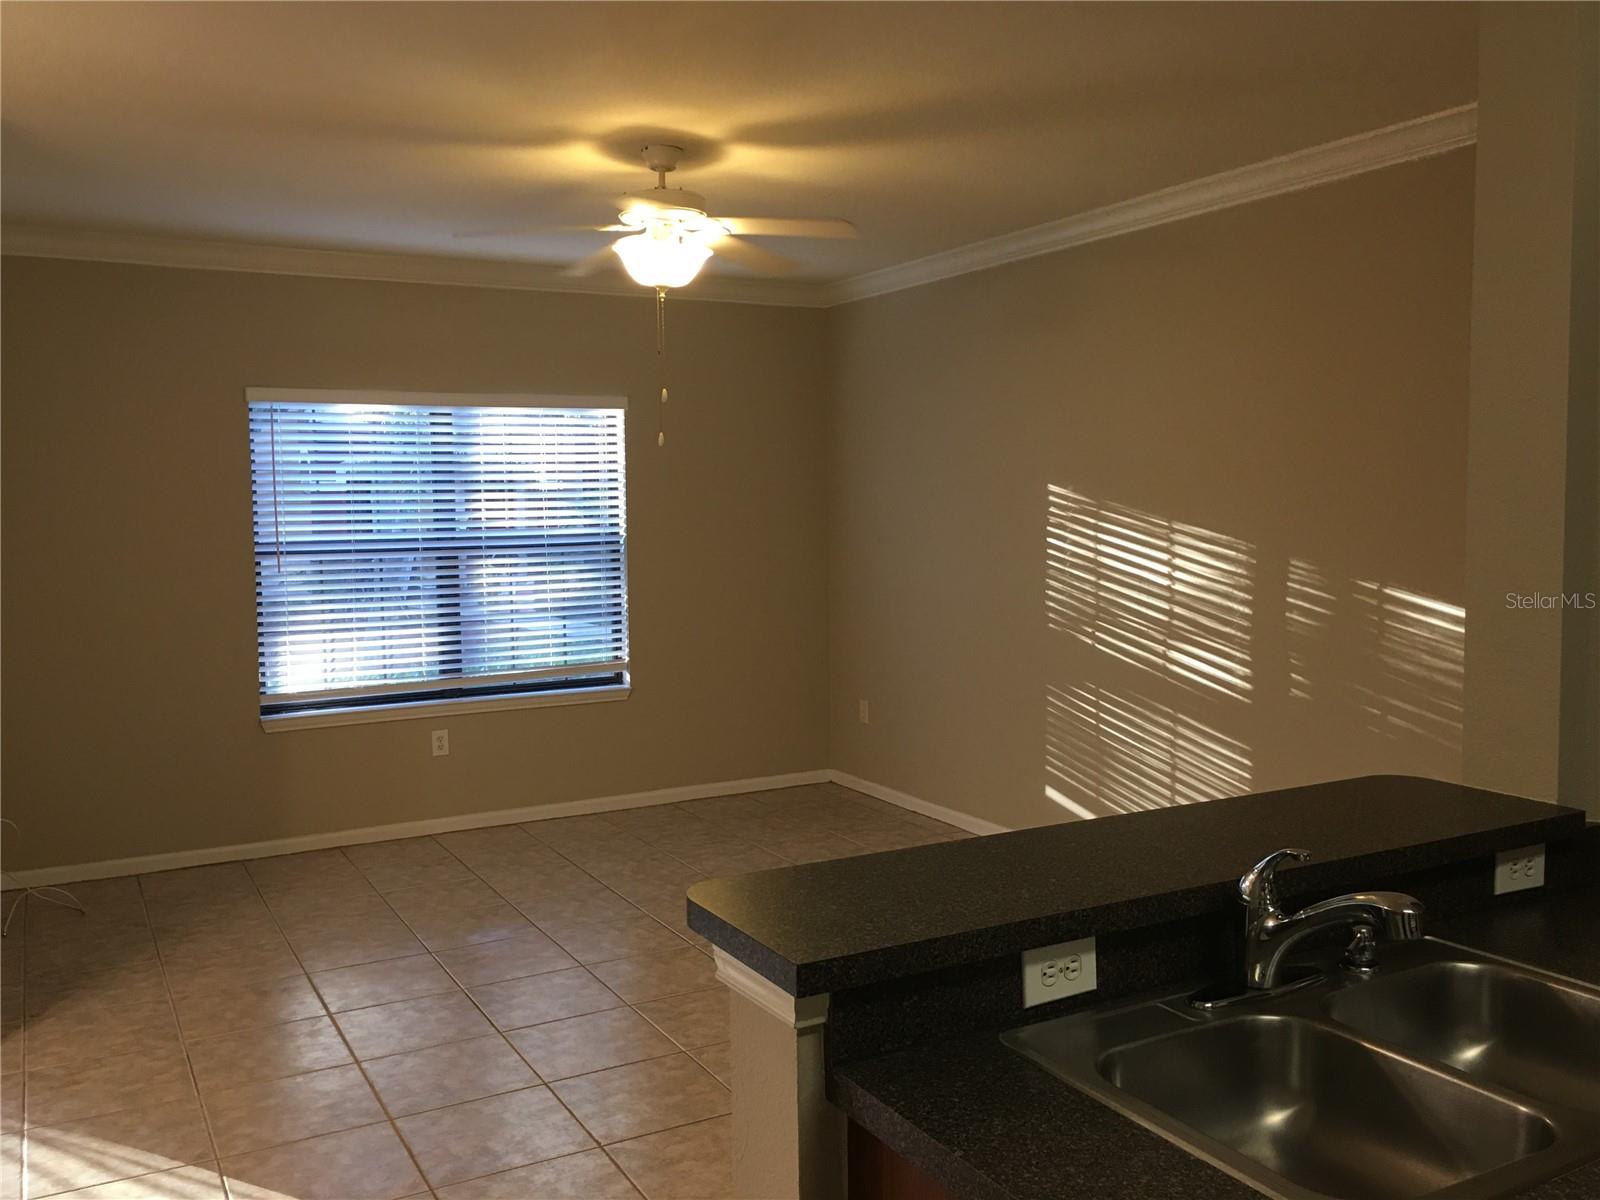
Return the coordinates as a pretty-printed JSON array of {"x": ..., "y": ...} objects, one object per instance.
[{"x": 1269, "y": 933}]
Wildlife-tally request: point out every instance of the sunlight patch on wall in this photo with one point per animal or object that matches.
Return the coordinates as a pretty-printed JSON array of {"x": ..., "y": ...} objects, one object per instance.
[
  {"x": 1397, "y": 656},
  {"x": 1309, "y": 607},
  {"x": 1171, "y": 598},
  {"x": 1110, "y": 752},
  {"x": 1419, "y": 648}
]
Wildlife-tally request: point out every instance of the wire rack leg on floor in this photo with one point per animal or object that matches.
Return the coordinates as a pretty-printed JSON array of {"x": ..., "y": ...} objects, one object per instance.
[{"x": 49, "y": 893}]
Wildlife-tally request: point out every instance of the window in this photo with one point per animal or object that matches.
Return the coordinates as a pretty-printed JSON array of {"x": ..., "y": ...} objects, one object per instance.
[{"x": 414, "y": 547}]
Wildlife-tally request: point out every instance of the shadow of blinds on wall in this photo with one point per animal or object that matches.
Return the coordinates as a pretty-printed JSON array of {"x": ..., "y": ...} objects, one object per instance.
[
  {"x": 1110, "y": 751},
  {"x": 1172, "y": 598},
  {"x": 1393, "y": 656},
  {"x": 424, "y": 546}
]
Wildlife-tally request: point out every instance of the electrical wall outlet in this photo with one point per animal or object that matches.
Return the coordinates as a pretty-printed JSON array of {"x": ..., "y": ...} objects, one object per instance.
[
  {"x": 441, "y": 742},
  {"x": 1518, "y": 870},
  {"x": 863, "y": 713},
  {"x": 1052, "y": 972}
]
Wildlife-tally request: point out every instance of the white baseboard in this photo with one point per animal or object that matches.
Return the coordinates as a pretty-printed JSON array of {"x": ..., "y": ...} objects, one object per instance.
[
  {"x": 110, "y": 868},
  {"x": 927, "y": 808}
]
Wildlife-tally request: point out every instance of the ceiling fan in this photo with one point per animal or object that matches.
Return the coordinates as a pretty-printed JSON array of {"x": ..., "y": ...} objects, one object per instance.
[{"x": 670, "y": 235}]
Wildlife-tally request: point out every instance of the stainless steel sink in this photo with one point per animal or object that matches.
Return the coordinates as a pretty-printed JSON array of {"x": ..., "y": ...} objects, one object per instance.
[
  {"x": 1488, "y": 1021},
  {"x": 1325, "y": 1111},
  {"x": 1446, "y": 1074}
]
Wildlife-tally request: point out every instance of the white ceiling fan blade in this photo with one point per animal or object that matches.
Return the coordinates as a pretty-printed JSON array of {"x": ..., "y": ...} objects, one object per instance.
[
  {"x": 598, "y": 261},
  {"x": 754, "y": 257},
  {"x": 531, "y": 230},
  {"x": 808, "y": 227}
]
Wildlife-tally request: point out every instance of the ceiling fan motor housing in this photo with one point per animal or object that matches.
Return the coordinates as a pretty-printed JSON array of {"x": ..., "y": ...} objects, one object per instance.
[
  {"x": 677, "y": 209},
  {"x": 660, "y": 157},
  {"x": 662, "y": 199}
]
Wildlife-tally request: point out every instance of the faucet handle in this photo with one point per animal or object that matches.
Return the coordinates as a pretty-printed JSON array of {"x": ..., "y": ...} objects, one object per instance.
[{"x": 1258, "y": 887}]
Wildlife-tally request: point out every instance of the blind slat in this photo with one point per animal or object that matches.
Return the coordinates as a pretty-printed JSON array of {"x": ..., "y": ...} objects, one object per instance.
[{"x": 411, "y": 546}]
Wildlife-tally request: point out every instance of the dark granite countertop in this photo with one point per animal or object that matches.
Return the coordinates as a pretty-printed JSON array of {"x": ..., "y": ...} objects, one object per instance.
[
  {"x": 826, "y": 926},
  {"x": 989, "y": 1125}
]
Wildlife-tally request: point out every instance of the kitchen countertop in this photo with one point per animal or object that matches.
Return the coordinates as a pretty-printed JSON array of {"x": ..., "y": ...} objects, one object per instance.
[
  {"x": 990, "y": 1125},
  {"x": 826, "y": 926}
]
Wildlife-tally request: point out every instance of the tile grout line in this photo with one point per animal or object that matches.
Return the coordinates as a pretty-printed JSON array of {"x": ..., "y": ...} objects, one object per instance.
[
  {"x": 558, "y": 1158},
  {"x": 602, "y": 1146},
  {"x": 631, "y": 1005},
  {"x": 183, "y": 1042},
  {"x": 327, "y": 1014},
  {"x": 743, "y": 837},
  {"x": 458, "y": 985},
  {"x": 697, "y": 818},
  {"x": 598, "y": 1144},
  {"x": 23, "y": 1140},
  {"x": 471, "y": 999},
  {"x": 567, "y": 860},
  {"x": 26, "y": 1127},
  {"x": 383, "y": 1106},
  {"x": 556, "y": 850},
  {"x": 494, "y": 1026},
  {"x": 561, "y": 856}
]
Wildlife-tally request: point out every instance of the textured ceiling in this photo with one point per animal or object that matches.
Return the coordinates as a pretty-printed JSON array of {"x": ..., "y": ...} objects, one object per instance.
[{"x": 387, "y": 126}]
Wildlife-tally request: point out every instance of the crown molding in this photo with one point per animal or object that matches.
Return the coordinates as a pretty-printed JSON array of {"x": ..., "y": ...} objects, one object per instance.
[
  {"x": 38, "y": 241},
  {"x": 1423, "y": 137}
]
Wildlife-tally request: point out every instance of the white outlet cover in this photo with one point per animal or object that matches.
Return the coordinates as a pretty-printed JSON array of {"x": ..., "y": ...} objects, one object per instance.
[
  {"x": 1055, "y": 972},
  {"x": 1518, "y": 870}
]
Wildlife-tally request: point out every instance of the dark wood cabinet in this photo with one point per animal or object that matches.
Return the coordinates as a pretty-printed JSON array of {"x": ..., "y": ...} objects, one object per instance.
[{"x": 879, "y": 1173}]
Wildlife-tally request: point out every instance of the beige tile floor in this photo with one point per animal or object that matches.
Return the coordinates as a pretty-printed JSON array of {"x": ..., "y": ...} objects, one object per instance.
[{"x": 506, "y": 1013}]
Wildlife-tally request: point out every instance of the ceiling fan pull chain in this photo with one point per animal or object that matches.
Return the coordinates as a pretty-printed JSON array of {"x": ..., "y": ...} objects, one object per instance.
[{"x": 661, "y": 350}]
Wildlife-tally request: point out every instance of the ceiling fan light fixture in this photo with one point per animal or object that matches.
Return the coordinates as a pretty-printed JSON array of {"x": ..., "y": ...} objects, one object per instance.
[{"x": 662, "y": 257}]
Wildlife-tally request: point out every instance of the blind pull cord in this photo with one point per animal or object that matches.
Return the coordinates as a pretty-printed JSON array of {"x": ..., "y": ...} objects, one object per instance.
[
  {"x": 661, "y": 365},
  {"x": 277, "y": 508}
]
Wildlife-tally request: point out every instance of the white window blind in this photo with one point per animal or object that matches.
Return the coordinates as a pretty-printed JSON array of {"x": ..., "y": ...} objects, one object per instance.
[{"x": 415, "y": 547}]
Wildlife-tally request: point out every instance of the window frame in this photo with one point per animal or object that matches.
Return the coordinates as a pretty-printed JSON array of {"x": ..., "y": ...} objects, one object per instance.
[{"x": 394, "y": 702}]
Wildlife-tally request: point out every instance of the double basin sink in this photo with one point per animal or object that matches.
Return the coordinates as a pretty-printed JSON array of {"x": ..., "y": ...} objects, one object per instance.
[{"x": 1444, "y": 1073}]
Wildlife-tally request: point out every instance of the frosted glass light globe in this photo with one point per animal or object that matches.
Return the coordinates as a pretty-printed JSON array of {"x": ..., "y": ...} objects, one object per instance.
[{"x": 662, "y": 257}]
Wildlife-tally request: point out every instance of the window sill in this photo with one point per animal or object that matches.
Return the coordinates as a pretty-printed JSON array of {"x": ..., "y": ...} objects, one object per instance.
[{"x": 415, "y": 710}]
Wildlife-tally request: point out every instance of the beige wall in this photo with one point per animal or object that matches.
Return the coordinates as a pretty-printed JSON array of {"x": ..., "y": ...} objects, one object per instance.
[
  {"x": 953, "y": 501},
  {"x": 130, "y": 716},
  {"x": 1534, "y": 502},
  {"x": 1278, "y": 392}
]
